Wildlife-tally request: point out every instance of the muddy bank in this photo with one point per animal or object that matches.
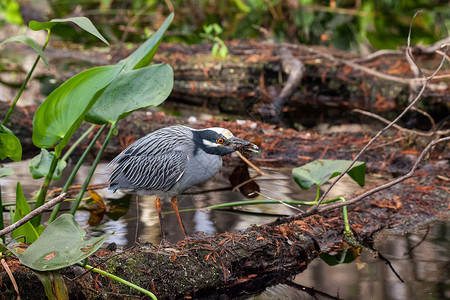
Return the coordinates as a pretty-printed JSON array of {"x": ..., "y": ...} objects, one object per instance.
[{"x": 280, "y": 147}]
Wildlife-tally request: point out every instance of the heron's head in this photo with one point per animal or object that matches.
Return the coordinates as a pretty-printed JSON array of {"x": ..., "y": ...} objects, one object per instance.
[{"x": 220, "y": 141}]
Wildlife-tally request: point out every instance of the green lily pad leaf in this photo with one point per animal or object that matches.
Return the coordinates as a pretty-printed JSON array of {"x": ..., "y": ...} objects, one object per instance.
[
  {"x": 40, "y": 165},
  {"x": 6, "y": 171},
  {"x": 60, "y": 115},
  {"x": 30, "y": 42},
  {"x": 23, "y": 209},
  {"x": 143, "y": 55},
  {"x": 9, "y": 145},
  {"x": 320, "y": 171},
  {"x": 60, "y": 245},
  {"x": 83, "y": 22},
  {"x": 131, "y": 91}
]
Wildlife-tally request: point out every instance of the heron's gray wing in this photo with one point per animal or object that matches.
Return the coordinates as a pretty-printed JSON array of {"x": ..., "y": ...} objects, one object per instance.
[
  {"x": 158, "y": 172},
  {"x": 157, "y": 143}
]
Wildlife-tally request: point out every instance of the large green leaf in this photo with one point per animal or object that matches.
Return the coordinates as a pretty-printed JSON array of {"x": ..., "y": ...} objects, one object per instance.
[
  {"x": 320, "y": 171},
  {"x": 60, "y": 115},
  {"x": 9, "y": 145},
  {"x": 142, "y": 56},
  {"x": 83, "y": 22},
  {"x": 30, "y": 42},
  {"x": 130, "y": 91},
  {"x": 61, "y": 244},
  {"x": 23, "y": 209},
  {"x": 40, "y": 165}
]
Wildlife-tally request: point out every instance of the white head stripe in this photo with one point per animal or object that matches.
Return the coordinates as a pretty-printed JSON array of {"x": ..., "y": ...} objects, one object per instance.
[
  {"x": 210, "y": 144},
  {"x": 225, "y": 132}
]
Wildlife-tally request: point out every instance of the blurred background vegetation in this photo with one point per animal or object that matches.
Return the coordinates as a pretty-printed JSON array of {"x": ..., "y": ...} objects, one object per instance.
[{"x": 355, "y": 25}]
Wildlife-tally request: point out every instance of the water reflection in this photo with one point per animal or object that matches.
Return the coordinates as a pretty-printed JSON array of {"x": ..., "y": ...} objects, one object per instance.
[
  {"x": 421, "y": 259},
  {"x": 143, "y": 211},
  {"x": 140, "y": 224}
]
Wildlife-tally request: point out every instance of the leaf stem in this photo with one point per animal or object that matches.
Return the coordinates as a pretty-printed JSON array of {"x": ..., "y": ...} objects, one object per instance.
[
  {"x": 132, "y": 285},
  {"x": 317, "y": 194},
  {"x": 77, "y": 142},
  {"x": 347, "y": 226},
  {"x": 91, "y": 171},
  {"x": 43, "y": 190},
  {"x": 22, "y": 87},
  {"x": 75, "y": 171},
  {"x": 254, "y": 202},
  {"x": 2, "y": 225}
]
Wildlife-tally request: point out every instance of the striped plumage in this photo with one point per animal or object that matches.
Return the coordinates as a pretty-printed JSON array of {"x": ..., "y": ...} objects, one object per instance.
[
  {"x": 154, "y": 162},
  {"x": 170, "y": 160}
]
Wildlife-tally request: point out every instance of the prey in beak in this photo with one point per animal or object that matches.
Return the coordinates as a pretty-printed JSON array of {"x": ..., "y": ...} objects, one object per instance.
[{"x": 242, "y": 145}]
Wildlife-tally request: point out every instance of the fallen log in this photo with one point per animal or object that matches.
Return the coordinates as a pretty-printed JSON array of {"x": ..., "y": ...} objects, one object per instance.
[
  {"x": 334, "y": 82},
  {"x": 252, "y": 75}
]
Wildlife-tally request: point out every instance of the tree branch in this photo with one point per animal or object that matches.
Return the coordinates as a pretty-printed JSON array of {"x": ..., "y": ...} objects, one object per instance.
[
  {"x": 416, "y": 132},
  {"x": 386, "y": 185},
  {"x": 33, "y": 214},
  {"x": 364, "y": 149},
  {"x": 329, "y": 207}
]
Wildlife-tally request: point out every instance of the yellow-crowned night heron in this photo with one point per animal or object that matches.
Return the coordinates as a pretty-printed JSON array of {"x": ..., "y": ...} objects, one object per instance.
[{"x": 170, "y": 160}]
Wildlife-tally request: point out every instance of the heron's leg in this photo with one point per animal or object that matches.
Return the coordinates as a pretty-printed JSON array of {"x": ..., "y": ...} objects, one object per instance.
[
  {"x": 175, "y": 208},
  {"x": 158, "y": 209}
]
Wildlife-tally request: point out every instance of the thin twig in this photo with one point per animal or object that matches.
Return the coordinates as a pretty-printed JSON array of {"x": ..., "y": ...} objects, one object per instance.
[
  {"x": 430, "y": 118},
  {"x": 281, "y": 201},
  {"x": 235, "y": 188},
  {"x": 364, "y": 149},
  {"x": 389, "y": 184},
  {"x": 376, "y": 55},
  {"x": 33, "y": 214},
  {"x": 421, "y": 241},
  {"x": 388, "y": 143},
  {"x": 258, "y": 170},
  {"x": 11, "y": 277},
  {"x": 329, "y": 207},
  {"x": 409, "y": 58},
  {"x": 416, "y": 132}
]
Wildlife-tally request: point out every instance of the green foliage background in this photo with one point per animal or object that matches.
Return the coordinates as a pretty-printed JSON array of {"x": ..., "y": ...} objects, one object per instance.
[{"x": 344, "y": 24}]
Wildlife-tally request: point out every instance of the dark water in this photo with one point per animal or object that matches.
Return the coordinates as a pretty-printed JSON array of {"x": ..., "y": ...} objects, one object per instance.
[{"x": 422, "y": 258}]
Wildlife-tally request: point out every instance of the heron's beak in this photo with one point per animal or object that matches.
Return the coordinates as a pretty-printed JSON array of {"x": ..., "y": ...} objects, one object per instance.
[{"x": 242, "y": 145}]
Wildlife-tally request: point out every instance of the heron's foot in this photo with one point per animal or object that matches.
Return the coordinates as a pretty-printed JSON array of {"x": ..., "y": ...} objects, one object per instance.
[{"x": 164, "y": 243}]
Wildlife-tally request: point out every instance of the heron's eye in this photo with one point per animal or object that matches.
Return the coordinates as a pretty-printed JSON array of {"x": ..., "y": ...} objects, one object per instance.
[{"x": 220, "y": 141}]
